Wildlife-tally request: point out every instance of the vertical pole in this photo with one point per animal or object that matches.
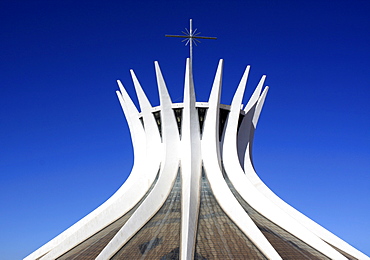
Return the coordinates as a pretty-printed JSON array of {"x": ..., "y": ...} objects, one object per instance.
[{"x": 191, "y": 41}]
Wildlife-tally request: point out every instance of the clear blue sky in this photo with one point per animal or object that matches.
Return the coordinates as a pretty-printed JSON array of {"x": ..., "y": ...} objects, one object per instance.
[{"x": 64, "y": 142}]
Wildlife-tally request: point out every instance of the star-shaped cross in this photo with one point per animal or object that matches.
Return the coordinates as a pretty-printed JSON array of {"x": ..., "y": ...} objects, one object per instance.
[{"x": 191, "y": 36}]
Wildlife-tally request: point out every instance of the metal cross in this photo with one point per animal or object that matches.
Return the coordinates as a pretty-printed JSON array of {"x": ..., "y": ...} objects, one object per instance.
[{"x": 190, "y": 37}]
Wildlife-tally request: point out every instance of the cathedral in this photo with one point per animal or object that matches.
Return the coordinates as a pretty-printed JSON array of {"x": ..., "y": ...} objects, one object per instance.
[{"x": 193, "y": 192}]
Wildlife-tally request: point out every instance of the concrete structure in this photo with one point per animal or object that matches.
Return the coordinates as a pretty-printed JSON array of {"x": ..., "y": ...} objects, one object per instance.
[{"x": 193, "y": 192}]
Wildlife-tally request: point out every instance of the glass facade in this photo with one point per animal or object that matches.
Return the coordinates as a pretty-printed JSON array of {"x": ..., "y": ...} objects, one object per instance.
[
  {"x": 157, "y": 117},
  {"x": 91, "y": 247},
  {"x": 160, "y": 237},
  {"x": 288, "y": 246},
  {"x": 202, "y": 112},
  {"x": 218, "y": 237},
  {"x": 222, "y": 121},
  {"x": 178, "y": 116}
]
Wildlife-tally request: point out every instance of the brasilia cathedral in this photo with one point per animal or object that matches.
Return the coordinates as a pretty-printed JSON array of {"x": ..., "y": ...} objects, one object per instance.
[{"x": 193, "y": 192}]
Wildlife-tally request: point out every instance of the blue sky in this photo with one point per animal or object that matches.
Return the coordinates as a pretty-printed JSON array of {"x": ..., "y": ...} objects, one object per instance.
[{"x": 64, "y": 142}]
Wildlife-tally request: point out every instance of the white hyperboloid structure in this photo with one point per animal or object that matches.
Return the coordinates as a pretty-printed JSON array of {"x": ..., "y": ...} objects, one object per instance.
[{"x": 193, "y": 192}]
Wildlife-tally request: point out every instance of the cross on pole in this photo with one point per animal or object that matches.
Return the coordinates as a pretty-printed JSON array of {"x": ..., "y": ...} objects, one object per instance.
[{"x": 191, "y": 36}]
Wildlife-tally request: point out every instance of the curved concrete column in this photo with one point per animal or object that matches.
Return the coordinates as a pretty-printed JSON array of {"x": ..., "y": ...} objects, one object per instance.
[
  {"x": 251, "y": 174},
  {"x": 246, "y": 124},
  {"x": 212, "y": 166},
  {"x": 135, "y": 187},
  {"x": 167, "y": 175},
  {"x": 248, "y": 191},
  {"x": 190, "y": 168},
  {"x": 138, "y": 140}
]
